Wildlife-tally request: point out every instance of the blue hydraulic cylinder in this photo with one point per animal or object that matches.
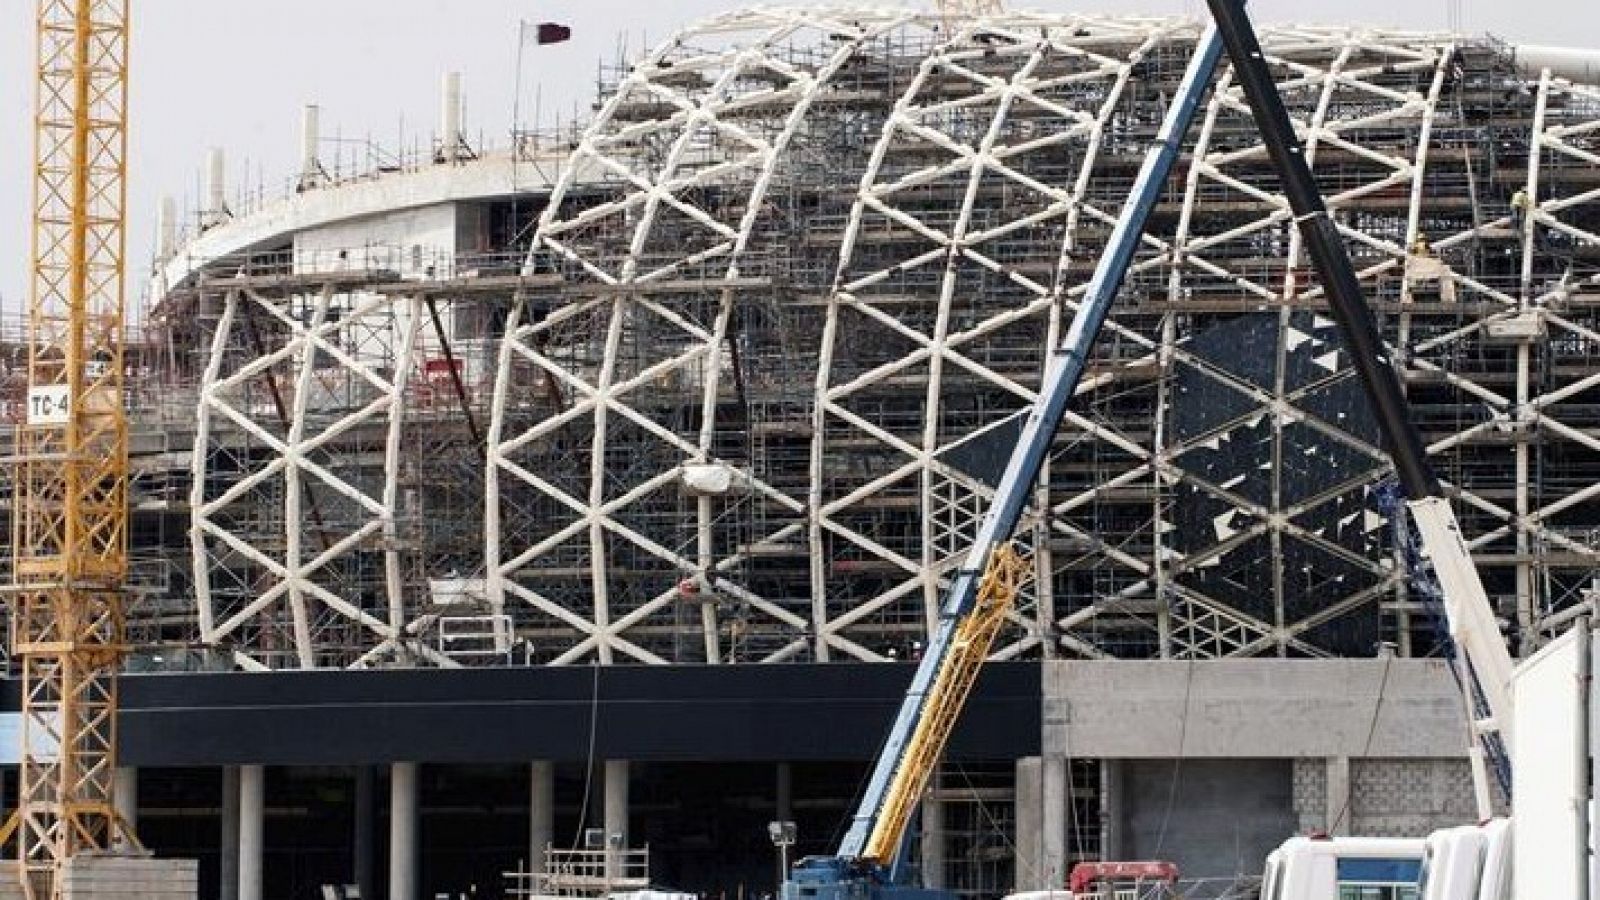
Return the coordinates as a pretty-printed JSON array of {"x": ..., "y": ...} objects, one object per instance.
[{"x": 1064, "y": 371}]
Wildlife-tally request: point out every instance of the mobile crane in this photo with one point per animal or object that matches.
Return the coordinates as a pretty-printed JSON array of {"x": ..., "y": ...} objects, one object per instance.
[{"x": 867, "y": 863}]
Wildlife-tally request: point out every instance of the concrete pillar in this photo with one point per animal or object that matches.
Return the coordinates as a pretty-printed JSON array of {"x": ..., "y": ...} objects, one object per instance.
[
  {"x": 784, "y": 811},
  {"x": 616, "y": 815},
  {"x": 252, "y": 830},
  {"x": 310, "y": 148},
  {"x": 216, "y": 211},
  {"x": 1113, "y": 799},
  {"x": 1338, "y": 813},
  {"x": 1030, "y": 825},
  {"x": 402, "y": 831},
  {"x": 933, "y": 855},
  {"x": 228, "y": 861},
  {"x": 125, "y": 800},
  {"x": 450, "y": 117},
  {"x": 364, "y": 842},
  {"x": 1055, "y": 788},
  {"x": 541, "y": 812},
  {"x": 166, "y": 229}
]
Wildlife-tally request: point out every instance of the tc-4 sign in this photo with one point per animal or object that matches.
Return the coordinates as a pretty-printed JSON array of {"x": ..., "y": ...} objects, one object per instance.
[{"x": 49, "y": 405}]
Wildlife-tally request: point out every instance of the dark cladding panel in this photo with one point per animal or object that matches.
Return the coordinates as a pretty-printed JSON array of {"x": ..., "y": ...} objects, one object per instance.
[{"x": 682, "y": 713}]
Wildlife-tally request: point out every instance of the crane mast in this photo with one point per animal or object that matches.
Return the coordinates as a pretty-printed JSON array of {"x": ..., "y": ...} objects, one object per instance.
[{"x": 70, "y": 525}]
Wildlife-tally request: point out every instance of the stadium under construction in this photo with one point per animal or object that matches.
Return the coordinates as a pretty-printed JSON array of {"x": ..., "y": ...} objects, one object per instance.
[{"x": 502, "y": 508}]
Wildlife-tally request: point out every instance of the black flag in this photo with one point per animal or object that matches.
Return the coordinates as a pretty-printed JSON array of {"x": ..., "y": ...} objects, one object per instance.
[{"x": 553, "y": 33}]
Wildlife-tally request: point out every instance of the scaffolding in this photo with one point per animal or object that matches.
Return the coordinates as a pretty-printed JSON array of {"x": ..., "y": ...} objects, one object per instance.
[{"x": 736, "y": 385}]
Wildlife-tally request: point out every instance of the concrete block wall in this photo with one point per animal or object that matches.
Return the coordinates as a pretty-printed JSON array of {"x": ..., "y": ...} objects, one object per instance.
[
  {"x": 1309, "y": 782},
  {"x": 116, "y": 878},
  {"x": 1388, "y": 797}
]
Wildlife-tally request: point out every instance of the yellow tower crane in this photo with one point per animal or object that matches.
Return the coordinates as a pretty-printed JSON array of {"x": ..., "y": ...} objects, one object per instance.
[{"x": 70, "y": 521}]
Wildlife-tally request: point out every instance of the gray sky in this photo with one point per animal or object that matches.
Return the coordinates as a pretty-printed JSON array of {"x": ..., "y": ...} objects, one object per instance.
[{"x": 235, "y": 74}]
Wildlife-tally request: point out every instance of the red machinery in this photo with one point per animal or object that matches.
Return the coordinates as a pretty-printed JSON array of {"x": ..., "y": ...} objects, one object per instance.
[{"x": 1086, "y": 874}]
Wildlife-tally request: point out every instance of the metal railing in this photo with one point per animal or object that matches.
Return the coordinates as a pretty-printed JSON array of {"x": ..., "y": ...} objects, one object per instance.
[{"x": 583, "y": 873}]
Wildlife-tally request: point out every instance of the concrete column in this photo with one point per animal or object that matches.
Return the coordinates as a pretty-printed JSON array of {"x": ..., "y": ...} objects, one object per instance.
[
  {"x": 1056, "y": 787},
  {"x": 402, "y": 831},
  {"x": 1338, "y": 813},
  {"x": 126, "y": 800},
  {"x": 229, "y": 850},
  {"x": 784, "y": 811},
  {"x": 933, "y": 855},
  {"x": 1029, "y": 817},
  {"x": 1113, "y": 797},
  {"x": 541, "y": 812},
  {"x": 252, "y": 830},
  {"x": 616, "y": 815},
  {"x": 364, "y": 842}
]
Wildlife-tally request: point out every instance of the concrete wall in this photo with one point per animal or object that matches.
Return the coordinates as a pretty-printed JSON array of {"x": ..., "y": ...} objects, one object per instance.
[
  {"x": 407, "y": 241},
  {"x": 1217, "y": 762},
  {"x": 1388, "y": 797},
  {"x": 1252, "y": 708},
  {"x": 1214, "y": 818}
]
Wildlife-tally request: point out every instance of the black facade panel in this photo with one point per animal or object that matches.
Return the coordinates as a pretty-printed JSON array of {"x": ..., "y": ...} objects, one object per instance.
[{"x": 503, "y": 715}]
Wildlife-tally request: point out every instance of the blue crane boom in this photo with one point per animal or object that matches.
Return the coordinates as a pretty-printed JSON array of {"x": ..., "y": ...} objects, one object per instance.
[{"x": 862, "y": 865}]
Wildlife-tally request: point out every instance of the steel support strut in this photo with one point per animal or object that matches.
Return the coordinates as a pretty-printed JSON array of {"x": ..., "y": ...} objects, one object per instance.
[
  {"x": 865, "y": 841},
  {"x": 1471, "y": 618}
]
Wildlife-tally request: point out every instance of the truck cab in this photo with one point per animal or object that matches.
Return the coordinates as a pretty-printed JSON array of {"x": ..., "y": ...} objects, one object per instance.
[
  {"x": 1472, "y": 862},
  {"x": 1347, "y": 868}
]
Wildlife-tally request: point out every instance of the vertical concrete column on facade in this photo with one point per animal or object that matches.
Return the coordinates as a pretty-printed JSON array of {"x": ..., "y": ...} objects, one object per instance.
[
  {"x": 402, "y": 831},
  {"x": 1056, "y": 788},
  {"x": 1113, "y": 837},
  {"x": 1338, "y": 813},
  {"x": 228, "y": 861},
  {"x": 364, "y": 845},
  {"x": 616, "y": 815},
  {"x": 784, "y": 811},
  {"x": 933, "y": 853},
  {"x": 541, "y": 812},
  {"x": 252, "y": 830},
  {"x": 125, "y": 799},
  {"x": 1029, "y": 802}
]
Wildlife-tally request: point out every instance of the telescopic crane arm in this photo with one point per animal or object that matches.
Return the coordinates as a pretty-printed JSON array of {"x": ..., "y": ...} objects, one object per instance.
[
  {"x": 989, "y": 577},
  {"x": 982, "y": 589}
]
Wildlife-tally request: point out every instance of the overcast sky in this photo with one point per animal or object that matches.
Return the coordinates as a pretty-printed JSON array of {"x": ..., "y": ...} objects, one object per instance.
[{"x": 235, "y": 74}]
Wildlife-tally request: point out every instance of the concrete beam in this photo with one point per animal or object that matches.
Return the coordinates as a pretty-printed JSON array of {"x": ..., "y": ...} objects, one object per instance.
[{"x": 1252, "y": 708}]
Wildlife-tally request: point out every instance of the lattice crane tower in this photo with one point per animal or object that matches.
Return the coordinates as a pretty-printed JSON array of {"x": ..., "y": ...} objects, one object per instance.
[{"x": 70, "y": 528}]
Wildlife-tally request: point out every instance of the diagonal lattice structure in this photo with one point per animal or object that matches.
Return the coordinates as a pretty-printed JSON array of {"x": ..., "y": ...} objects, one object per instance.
[
  {"x": 288, "y": 513},
  {"x": 790, "y": 290},
  {"x": 1204, "y": 502},
  {"x": 631, "y": 372}
]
